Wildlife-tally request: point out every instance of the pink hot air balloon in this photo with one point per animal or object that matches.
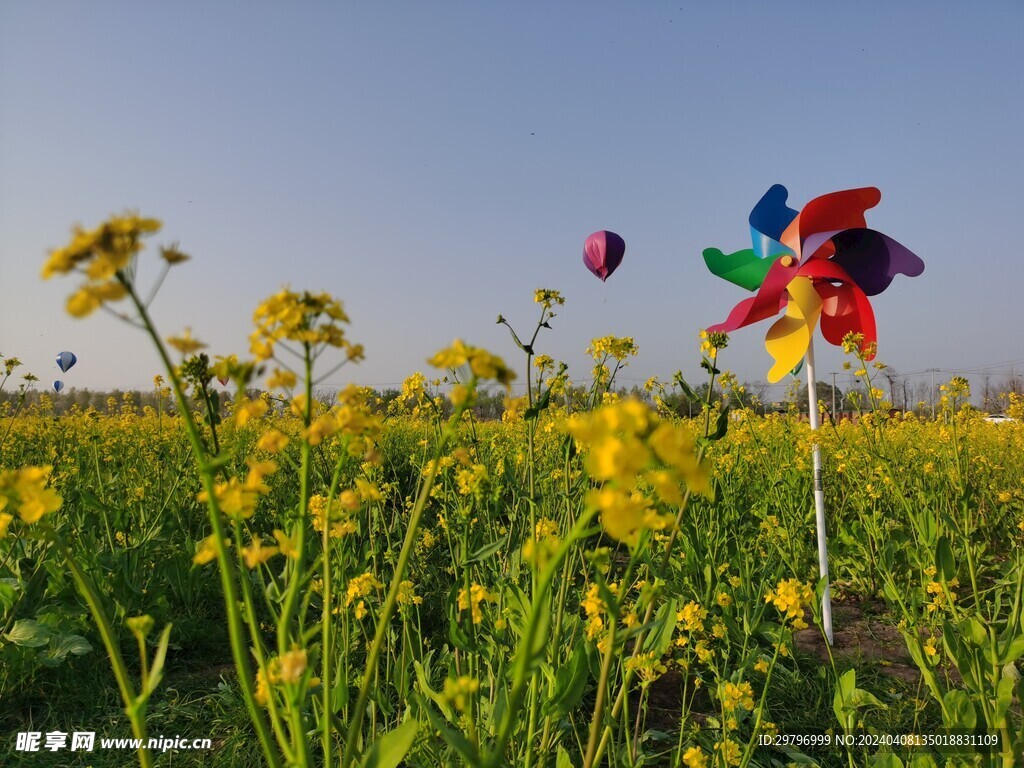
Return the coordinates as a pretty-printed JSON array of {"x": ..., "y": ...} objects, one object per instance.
[{"x": 603, "y": 252}]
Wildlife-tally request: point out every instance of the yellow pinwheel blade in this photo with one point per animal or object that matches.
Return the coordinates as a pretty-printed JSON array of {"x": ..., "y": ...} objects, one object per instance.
[{"x": 789, "y": 337}]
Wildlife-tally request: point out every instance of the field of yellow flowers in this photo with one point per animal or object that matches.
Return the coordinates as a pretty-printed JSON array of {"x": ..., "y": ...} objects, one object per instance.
[{"x": 592, "y": 580}]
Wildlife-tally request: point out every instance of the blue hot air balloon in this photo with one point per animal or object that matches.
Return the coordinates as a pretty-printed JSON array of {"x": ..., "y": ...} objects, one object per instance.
[
  {"x": 66, "y": 361},
  {"x": 58, "y": 385}
]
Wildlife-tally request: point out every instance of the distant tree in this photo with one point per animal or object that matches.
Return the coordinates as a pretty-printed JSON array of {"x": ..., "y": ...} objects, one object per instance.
[
  {"x": 823, "y": 392},
  {"x": 988, "y": 393},
  {"x": 896, "y": 396}
]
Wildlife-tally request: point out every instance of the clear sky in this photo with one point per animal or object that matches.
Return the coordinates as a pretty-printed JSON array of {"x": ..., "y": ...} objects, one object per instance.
[{"x": 433, "y": 163}]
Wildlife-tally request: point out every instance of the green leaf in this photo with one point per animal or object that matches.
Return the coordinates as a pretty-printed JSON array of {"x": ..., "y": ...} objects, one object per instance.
[
  {"x": 849, "y": 698},
  {"x": 534, "y": 411},
  {"x": 862, "y": 698},
  {"x": 453, "y": 738},
  {"x": 570, "y": 684},
  {"x": 922, "y": 760},
  {"x": 888, "y": 760},
  {"x": 958, "y": 712},
  {"x": 660, "y": 636},
  {"x": 1011, "y": 650},
  {"x": 929, "y": 528},
  {"x": 6, "y": 594},
  {"x": 91, "y": 500},
  {"x": 914, "y": 647},
  {"x": 339, "y": 693},
  {"x": 156, "y": 669},
  {"x": 487, "y": 551},
  {"x": 562, "y": 759},
  {"x": 974, "y": 631},
  {"x": 688, "y": 392},
  {"x": 456, "y": 634},
  {"x": 845, "y": 687},
  {"x": 1004, "y": 698},
  {"x": 389, "y": 750},
  {"x": 29, "y": 633},
  {"x": 944, "y": 562},
  {"x": 62, "y": 645},
  {"x": 437, "y": 698},
  {"x": 721, "y": 425}
]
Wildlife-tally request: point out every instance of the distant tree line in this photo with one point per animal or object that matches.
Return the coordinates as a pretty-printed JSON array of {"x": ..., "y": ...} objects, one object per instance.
[{"x": 903, "y": 393}]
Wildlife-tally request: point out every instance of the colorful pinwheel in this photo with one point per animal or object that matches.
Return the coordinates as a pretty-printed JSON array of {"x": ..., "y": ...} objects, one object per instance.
[{"x": 821, "y": 262}]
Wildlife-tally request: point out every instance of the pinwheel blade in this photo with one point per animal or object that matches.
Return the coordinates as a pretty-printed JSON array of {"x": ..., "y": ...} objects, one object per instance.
[{"x": 788, "y": 338}]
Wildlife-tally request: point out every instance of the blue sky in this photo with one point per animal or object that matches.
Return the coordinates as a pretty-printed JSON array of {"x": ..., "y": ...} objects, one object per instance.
[{"x": 433, "y": 163}]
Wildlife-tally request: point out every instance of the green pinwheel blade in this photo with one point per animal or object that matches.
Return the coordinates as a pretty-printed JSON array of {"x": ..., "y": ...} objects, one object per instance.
[{"x": 743, "y": 268}]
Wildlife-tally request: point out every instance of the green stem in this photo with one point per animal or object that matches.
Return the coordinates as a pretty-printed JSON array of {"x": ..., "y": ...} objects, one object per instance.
[
  {"x": 206, "y": 472},
  {"x": 521, "y": 670},
  {"x": 383, "y": 621},
  {"x": 602, "y": 692},
  {"x": 133, "y": 707}
]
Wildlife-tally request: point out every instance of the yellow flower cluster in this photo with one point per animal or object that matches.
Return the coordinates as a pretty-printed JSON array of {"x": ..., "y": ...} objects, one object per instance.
[
  {"x": 548, "y": 297},
  {"x": 729, "y": 751},
  {"x": 247, "y": 409},
  {"x": 287, "y": 669},
  {"x": 612, "y": 346},
  {"x": 459, "y": 692},
  {"x": 941, "y": 598},
  {"x": 514, "y": 408},
  {"x": 25, "y": 491},
  {"x": 790, "y": 597},
  {"x": 691, "y": 620},
  {"x": 10, "y": 364},
  {"x": 104, "y": 255},
  {"x": 407, "y": 594},
  {"x": 352, "y": 417},
  {"x": 737, "y": 696},
  {"x": 595, "y": 608},
  {"x": 647, "y": 666},
  {"x": 336, "y": 516},
  {"x": 694, "y": 757},
  {"x": 471, "y": 480},
  {"x": 473, "y": 599},
  {"x": 358, "y": 588},
  {"x": 186, "y": 343},
  {"x": 311, "y": 319},
  {"x": 544, "y": 543},
  {"x": 627, "y": 445},
  {"x": 237, "y": 499},
  {"x": 481, "y": 363},
  {"x": 206, "y": 552},
  {"x": 272, "y": 441},
  {"x": 256, "y": 554},
  {"x": 712, "y": 343}
]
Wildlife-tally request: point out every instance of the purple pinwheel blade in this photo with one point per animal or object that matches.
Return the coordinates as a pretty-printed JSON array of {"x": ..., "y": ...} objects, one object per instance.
[{"x": 873, "y": 259}]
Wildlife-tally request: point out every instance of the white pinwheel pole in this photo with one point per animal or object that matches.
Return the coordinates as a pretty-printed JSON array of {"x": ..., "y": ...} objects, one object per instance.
[{"x": 819, "y": 495}]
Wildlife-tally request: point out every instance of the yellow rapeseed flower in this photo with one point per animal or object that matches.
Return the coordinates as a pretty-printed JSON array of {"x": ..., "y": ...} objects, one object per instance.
[
  {"x": 472, "y": 600},
  {"x": 272, "y": 441},
  {"x": 206, "y": 551},
  {"x": 256, "y": 554},
  {"x": 694, "y": 757},
  {"x": 459, "y": 692},
  {"x": 26, "y": 492},
  {"x": 185, "y": 343},
  {"x": 790, "y": 597}
]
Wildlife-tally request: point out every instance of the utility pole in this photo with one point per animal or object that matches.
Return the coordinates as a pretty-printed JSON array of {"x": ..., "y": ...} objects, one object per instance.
[{"x": 932, "y": 392}]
